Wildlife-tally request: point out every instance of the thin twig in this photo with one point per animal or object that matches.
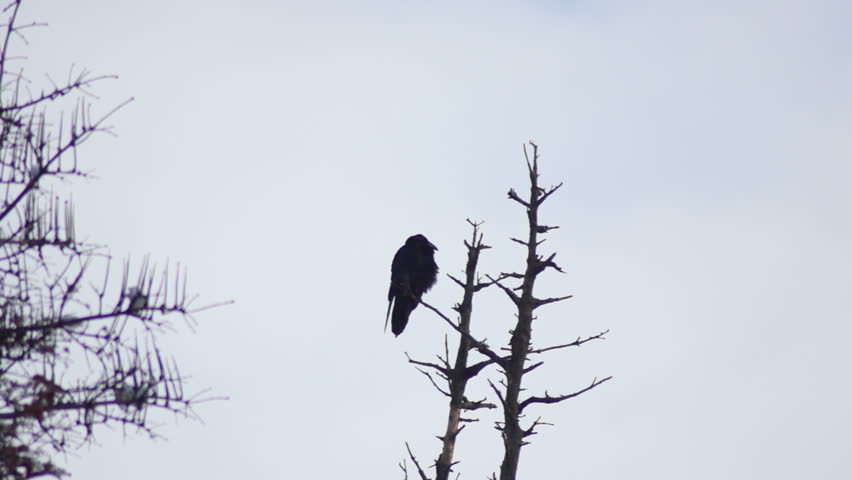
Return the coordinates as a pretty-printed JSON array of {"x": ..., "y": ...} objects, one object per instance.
[{"x": 416, "y": 463}]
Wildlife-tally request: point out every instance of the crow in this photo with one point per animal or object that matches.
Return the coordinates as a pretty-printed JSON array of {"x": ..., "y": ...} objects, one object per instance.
[{"x": 413, "y": 272}]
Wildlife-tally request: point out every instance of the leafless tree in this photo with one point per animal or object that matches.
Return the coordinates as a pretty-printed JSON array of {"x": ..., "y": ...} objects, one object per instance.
[
  {"x": 512, "y": 366},
  {"x": 517, "y": 364},
  {"x": 78, "y": 348},
  {"x": 456, "y": 374}
]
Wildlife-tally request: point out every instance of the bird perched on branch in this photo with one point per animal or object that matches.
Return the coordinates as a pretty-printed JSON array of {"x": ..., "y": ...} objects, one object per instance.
[{"x": 413, "y": 272}]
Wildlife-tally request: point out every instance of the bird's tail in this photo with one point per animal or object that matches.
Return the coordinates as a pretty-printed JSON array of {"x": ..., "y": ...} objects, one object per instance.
[
  {"x": 402, "y": 307},
  {"x": 387, "y": 315}
]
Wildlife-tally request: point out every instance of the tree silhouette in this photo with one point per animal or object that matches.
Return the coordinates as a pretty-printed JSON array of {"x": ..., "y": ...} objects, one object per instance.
[
  {"x": 519, "y": 361},
  {"x": 78, "y": 348}
]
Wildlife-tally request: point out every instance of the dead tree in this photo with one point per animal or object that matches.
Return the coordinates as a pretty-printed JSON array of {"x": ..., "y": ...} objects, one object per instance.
[
  {"x": 520, "y": 344},
  {"x": 456, "y": 374},
  {"x": 513, "y": 366},
  {"x": 78, "y": 348}
]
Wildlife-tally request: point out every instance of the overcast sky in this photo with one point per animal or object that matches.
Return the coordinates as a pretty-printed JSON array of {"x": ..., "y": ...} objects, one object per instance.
[{"x": 284, "y": 150}]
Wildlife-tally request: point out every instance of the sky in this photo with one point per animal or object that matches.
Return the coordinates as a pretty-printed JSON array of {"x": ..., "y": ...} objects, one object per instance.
[{"x": 283, "y": 151}]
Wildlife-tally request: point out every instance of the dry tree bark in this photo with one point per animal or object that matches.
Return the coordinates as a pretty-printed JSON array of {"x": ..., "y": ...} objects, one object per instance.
[
  {"x": 515, "y": 366},
  {"x": 457, "y": 375}
]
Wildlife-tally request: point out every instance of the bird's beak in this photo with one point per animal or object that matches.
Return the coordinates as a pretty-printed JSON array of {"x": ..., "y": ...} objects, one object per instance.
[{"x": 433, "y": 246}]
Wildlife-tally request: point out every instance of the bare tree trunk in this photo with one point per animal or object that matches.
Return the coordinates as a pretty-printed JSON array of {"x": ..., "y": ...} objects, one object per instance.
[
  {"x": 458, "y": 376},
  {"x": 513, "y": 435},
  {"x": 515, "y": 366}
]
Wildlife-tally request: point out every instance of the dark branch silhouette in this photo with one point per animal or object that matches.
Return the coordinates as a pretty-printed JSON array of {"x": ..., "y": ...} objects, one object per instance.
[
  {"x": 78, "y": 350},
  {"x": 515, "y": 366}
]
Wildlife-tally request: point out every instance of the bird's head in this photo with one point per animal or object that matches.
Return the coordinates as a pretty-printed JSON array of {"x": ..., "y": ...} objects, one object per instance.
[{"x": 420, "y": 241}]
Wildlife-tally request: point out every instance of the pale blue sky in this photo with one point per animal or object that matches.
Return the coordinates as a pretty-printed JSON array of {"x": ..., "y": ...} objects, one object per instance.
[{"x": 277, "y": 148}]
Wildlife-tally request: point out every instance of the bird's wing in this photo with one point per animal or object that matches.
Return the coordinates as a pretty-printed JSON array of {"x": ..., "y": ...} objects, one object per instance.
[{"x": 399, "y": 270}]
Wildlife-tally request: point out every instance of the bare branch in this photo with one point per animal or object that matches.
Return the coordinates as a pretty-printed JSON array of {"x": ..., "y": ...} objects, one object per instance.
[
  {"x": 544, "y": 301},
  {"x": 549, "y": 399},
  {"x": 514, "y": 196},
  {"x": 514, "y": 297},
  {"x": 429, "y": 376},
  {"x": 477, "y": 404},
  {"x": 82, "y": 81},
  {"x": 518, "y": 276},
  {"x": 404, "y": 468},
  {"x": 548, "y": 193},
  {"x": 480, "y": 346},
  {"x": 439, "y": 368},
  {"x": 548, "y": 263},
  {"x": 497, "y": 392},
  {"x": 575, "y": 343},
  {"x": 458, "y": 282},
  {"x": 474, "y": 369},
  {"x": 532, "y": 367},
  {"x": 481, "y": 285},
  {"x": 531, "y": 430},
  {"x": 416, "y": 463},
  {"x": 74, "y": 357}
]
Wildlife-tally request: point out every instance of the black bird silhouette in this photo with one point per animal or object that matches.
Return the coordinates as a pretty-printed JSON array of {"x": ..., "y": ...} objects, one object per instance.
[{"x": 413, "y": 272}]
